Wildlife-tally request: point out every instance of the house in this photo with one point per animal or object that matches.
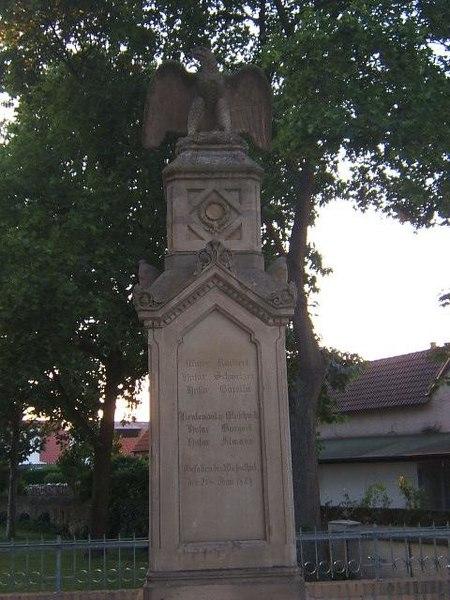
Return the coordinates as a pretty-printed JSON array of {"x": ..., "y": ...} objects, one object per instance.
[
  {"x": 127, "y": 433},
  {"x": 397, "y": 424},
  {"x": 142, "y": 446}
]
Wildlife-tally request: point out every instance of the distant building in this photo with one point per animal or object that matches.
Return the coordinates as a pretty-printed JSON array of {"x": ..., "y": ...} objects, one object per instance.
[
  {"x": 53, "y": 447},
  {"x": 397, "y": 423},
  {"x": 142, "y": 446},
  {"x": 128, "y": 434}
]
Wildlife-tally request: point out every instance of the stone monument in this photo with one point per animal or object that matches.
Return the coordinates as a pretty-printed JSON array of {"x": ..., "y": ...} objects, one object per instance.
[{"x": 221, "y": 508}]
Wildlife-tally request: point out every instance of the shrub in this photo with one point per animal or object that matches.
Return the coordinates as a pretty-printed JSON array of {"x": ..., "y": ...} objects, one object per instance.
[
  {"x": 376, "y": 496},
  {"x": 55, "y": 476},
  {"x": 415, "y": 499},
  {"x": 32, "y": 476},
  {"x": 128, "y": 507}
]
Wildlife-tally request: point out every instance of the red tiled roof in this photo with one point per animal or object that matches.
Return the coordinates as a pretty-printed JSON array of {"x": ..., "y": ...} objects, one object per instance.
[
  {"x": 142, "y": 445},
  {"x": 127, "y": 445},
  {"x": 397, "y": 381}
]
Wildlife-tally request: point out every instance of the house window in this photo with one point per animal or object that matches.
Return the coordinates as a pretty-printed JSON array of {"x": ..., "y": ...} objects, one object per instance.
[{"x": 434, "y": 480}]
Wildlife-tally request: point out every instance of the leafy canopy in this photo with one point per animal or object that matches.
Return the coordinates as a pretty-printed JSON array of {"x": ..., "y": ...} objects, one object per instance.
[{"x": 81, "y": 202}]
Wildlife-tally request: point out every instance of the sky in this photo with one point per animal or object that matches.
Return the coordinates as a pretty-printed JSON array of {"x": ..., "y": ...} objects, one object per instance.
[{"x": 382, "y": 297}]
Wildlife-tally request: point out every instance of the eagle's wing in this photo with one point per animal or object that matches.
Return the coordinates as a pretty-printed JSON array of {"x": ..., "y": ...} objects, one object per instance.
[
  {"x": 169, "y": 99},
  {"x": 250, "y": 100}
]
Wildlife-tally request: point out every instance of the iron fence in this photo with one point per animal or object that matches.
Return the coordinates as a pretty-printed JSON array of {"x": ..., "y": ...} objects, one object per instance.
[
  {"x": 58, "y": 565},
  {"x": 376, "y": 553}
]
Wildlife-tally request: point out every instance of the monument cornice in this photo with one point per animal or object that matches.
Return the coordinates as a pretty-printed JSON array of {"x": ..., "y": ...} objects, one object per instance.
[{"x": 274, "y": 309}]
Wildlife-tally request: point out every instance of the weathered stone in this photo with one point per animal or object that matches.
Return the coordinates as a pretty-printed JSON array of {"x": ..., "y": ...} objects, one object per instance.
[
  {"x": 192, "y": 103},
  {"x": 222, "y": 521}
]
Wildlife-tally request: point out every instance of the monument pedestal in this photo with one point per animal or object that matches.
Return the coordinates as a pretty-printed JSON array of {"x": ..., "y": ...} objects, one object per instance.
[
  {"x": 232, "y": 584},
  {"x": 222, "y": 523}
]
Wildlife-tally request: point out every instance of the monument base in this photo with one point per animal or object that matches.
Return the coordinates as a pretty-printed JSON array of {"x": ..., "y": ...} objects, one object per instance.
[{"x": 226, "y": 584}]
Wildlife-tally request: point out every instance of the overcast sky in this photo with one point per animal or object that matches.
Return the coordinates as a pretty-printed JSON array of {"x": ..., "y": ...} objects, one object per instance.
[{"x": 382, "y": 297}]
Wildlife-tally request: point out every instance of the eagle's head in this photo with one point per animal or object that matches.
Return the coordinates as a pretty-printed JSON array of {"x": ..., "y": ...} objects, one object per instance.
[{"x": 204, "y": 56}]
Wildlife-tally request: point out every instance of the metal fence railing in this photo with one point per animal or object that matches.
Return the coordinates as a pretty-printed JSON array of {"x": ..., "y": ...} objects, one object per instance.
[
  {"x": 73, "y": 564},
  {"x": 377, "y": 553}
]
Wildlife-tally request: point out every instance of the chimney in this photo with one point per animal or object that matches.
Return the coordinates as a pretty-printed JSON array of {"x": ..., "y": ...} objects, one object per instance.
[{"x": 433, "y": 345}]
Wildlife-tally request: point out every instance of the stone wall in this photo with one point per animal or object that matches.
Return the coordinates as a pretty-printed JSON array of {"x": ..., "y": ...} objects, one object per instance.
[
  {"x": 62, "y": 511},
  {"x": 407, "y": 589},
  {"x": 97, "y": 595}
]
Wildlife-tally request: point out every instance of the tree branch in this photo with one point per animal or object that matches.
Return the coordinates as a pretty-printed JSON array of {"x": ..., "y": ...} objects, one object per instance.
[
  {"x": 284, "y": 19},
  {"x": 298, "y": 245},
  {"x": 65, "y": 56},
  {"x": 69, "y": 407},
  {"x": 274, "y": 235},
  {"x": 262, "y": 22}
]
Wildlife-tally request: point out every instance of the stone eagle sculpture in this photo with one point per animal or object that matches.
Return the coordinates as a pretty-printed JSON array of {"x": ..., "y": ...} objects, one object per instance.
[{"x": 188, "y": 103}]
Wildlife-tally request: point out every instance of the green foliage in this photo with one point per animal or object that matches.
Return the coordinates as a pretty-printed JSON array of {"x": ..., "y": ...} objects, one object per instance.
[
  {"x": 349, "y": 81},
  {"x": 31, "y": 436},
  {"x": 376, "y": 496},
  {"x": 415, "y": 498},
  {"x": 342, "y": 367},
  {"x": 75, "y": 465},
  {"x": 128, "y": 507},
  {"x": 88, "y": 200},
  {"x": 55, "y": 476},
  {"x": 361, "y": 80},
  {"x": 32, "y": 476}
]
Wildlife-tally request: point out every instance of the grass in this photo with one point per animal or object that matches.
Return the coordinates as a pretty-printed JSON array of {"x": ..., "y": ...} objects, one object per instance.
[{"x": 35, "y": 569}]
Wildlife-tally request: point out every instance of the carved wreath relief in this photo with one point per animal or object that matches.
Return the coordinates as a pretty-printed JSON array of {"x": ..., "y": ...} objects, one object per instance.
[{"x": 214, "y": 213}]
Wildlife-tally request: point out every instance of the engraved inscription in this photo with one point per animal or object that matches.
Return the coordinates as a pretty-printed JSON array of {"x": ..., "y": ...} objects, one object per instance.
[{"x": 221, "y": 490}]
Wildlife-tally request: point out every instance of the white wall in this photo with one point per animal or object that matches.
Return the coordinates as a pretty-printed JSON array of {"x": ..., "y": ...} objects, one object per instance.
[
  {"x": 354, "y": 478},
  {"x": 33, "y": 459},
  {"x": 407, "y": 420}
]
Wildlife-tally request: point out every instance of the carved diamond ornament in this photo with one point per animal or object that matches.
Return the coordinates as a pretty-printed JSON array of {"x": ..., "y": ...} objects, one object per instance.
[{"x": 214, "y": 212}]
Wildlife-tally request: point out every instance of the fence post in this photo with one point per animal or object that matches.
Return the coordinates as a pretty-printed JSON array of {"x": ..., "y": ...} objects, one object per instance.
[
  {"x": 376, "y": 552},
  {"x": 58, "y": 575}
]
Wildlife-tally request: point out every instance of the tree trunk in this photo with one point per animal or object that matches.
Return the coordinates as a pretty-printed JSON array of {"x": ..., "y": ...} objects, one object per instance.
[
  {"x": 102, "y": 452},
  {"x": 13, "y": 481},
  {"x": 303, "y": 403},
  {"x": 305, "y": 392}
]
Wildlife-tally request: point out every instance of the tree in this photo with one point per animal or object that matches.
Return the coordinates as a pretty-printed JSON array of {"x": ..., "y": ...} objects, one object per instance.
[
  {"x": 372, "y": 89},
  {"x": 19, "y": 434},
  {"x": 18, "y": 439},
  {"x": 77, "y": 183},
  {"x": 361, "y": 81}
]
